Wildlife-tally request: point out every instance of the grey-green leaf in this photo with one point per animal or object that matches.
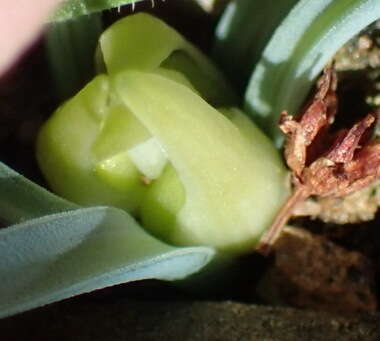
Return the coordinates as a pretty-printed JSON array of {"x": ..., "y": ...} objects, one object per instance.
[
  {"x": 61, "y": 250},
  {"x": 299, "y": 49},
  {"x": 21, "y": 199},
  {"x": 242, "y": 33},
  {"x": 51, "y": 258}
]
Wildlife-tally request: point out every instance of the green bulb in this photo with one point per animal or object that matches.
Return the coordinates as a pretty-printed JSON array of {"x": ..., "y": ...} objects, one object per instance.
[
  {"x": 143, "y": 42},
  {"x": 234, "y": 183},
  {"x": 145, "y": 138},
  {"x": 80, "y": 149}
]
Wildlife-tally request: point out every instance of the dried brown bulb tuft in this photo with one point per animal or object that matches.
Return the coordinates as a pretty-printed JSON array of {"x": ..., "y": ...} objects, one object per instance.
[{"x": 325, "y": 163}]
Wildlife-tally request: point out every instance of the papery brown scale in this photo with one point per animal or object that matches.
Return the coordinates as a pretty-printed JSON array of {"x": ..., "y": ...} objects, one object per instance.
[
  {"x": 327, "y": 95},
  {"x": 331, "y": 102},
  {"x": 347, "y": 141},
  {"x": 301, "y": 134},
  {"x": 354, "y": 186},
  {"x": 287, "y": 123},
  {"x": 366, "y": 162},
  {"x": 306, "y": 135},
  {"x": 313, "y": 120},
  {"x": 349, "y": 164},
  {"x": 327, "y": 178},
  {"x": 321, "y": 178},
  {"x": 327, "y": 83},
  {"x": 326, "y": 92},
  {"x": 369, "y": 134},
  {"x": 320, "y": 137},
  {"x": 295, "y": 151}
]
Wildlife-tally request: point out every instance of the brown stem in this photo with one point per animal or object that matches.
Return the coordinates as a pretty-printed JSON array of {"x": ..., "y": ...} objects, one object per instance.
[{"x": 270, "y": 236}]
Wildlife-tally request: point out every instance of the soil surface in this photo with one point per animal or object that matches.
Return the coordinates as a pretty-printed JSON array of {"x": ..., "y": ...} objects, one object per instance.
[{"x": 116, "y": 320}]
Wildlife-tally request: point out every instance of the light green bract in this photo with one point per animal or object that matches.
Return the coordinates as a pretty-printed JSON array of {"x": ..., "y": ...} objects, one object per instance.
[
  {"x": 146, "y": 137},
  {"x": 232, "y": 189},
  {"x": 143, "y": 42},
  {"x": 61, "y": 250}
]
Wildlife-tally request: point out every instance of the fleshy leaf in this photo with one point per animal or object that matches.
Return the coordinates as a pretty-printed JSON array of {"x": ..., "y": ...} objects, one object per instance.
[
  {"x": 48, "y": 259},
  {"x": 222, "y": 204},
  {"x": 71, "y": 9},
  {"x": 22, "y": 199},
  {"x": 70, "y": 47},
  {"x": 233, "y": 192},
  {"x": 297, "y": 52},
  {"x": 61, "y": 250},
  {"x": 242, "y": 33},
  {"x": 145, "y": 43}
]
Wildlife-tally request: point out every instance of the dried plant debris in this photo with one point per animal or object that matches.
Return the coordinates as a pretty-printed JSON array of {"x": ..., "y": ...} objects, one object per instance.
[
  {"x": 358, "y": 67},
  {"x": 324, "y": 162},
  {"x": 332, "y": 278},
  {"x": 354, "y": 208},
  {"x": 361, "y": 52}
]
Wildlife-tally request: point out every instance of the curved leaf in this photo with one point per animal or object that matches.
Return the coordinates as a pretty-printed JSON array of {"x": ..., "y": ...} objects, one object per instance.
[
  {"x": 21, "y": 199},
  {"x": 61, "y": 250},
  {"x": 61, "y": 255},
  {"x": 299, "y": 49},
  {"x": 228, "y": 204},
  {"x": 242, "y": 33},
  {"x": 70, "y": 48},
  {"x": 143, "y": 42},
  {"x": 71, "y": 9}
]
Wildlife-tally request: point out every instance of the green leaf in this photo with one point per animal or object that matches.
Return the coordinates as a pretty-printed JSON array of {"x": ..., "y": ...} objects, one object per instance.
[
  {"x": 242, "y": 33},
  {"x": 75, "y": 8},
  {"x": 22, "y": 199},
  {"x": 87, "y": 139},
  {"x": 143, "y": 42},
  {"x": 61, "y": 250},
  {"x": 118, "y": 137},
  {"x": 233, "y": 187},
  {"x": 299, "y": 49},
  {"x": 70, "y": 47},
  {"x": 48, "y": 259}
]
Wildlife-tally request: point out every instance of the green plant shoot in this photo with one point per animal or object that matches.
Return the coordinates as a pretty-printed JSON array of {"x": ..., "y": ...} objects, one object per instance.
[{"x": 144, "y": 137}]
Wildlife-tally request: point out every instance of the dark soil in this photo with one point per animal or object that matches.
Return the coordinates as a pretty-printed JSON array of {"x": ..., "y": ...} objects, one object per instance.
[{"x": 91, "y": 318}]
